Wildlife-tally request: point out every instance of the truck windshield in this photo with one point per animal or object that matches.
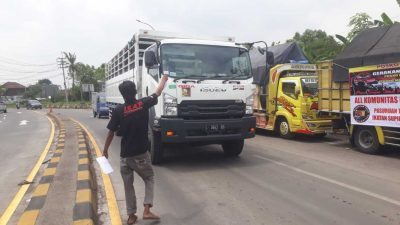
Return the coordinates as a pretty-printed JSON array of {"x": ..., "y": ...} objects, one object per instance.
[
  {"x": 309, "y": 86},
  {"x": 205, "y": 61}
]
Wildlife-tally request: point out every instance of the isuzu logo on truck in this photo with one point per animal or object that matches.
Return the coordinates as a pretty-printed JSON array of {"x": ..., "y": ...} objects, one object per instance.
[{"x": 215, "y": 89}]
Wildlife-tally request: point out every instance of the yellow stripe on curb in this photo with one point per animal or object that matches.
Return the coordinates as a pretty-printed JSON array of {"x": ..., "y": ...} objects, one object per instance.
[
  {"x": 55, "y": 159},
  {"x": 58, "y": 151},
  {"x": 84, "y": 195},
  {"x": 82, "y": 145},
  {"x": 83, "y": 175},
  {"x": 115, "y": 217},
  {"x": 82, "y": 152},
  {"x": 21, "y": 192},
  {"x": 49, "y": 171},
  {"x": 84, "y": 222},
  {"x": 41, "y": 190},
  {"x": 29, "y": 217},
  {"x": 83, "y": 161}
]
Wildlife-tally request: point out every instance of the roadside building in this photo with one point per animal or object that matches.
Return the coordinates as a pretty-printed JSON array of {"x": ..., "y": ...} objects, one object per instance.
[{"x": 14, "y": 90}]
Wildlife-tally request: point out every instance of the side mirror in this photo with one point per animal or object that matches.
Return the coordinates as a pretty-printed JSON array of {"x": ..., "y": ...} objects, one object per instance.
[{"x": 150, "y": 59}]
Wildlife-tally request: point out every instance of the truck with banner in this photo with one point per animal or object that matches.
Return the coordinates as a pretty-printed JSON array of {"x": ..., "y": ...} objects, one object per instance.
[
  {"x": 368, "y": 106},
  {"x": 360, "y": 89}
]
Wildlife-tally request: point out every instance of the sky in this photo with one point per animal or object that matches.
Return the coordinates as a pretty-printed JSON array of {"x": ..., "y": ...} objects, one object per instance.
[{"x": 34, "y": 32}]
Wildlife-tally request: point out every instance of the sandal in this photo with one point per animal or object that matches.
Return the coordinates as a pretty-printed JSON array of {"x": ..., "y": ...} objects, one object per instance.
[
  {"x": 150, "y": 216},
  {"x": 132, "y": 219}
]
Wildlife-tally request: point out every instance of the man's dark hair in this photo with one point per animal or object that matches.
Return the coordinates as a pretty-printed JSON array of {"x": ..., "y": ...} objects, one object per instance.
[{"x": 128, "y": 90}]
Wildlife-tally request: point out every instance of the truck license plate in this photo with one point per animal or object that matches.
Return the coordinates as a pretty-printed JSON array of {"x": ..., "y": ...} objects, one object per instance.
[{"x": 215, "y": 127}]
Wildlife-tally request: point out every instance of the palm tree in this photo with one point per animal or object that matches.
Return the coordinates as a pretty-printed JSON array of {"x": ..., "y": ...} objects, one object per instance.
[
  {"x": 71, "y": 57},
  {"x": 386, "y": 20}
]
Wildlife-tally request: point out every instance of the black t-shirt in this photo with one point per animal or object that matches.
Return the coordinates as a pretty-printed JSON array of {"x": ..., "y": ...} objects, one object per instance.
[{"x": 131, "y": 122}]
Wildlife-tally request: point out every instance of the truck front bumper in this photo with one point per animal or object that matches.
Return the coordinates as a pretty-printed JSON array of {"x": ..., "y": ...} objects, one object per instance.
[
  {"x": 316, "y": 127},
  {"x": 178, "y": 130}
]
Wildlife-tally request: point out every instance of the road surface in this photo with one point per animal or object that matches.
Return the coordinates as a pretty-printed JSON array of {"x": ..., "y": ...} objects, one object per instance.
[
  {"x": 274, "y": 181},
  {"x": 23, "y": 136}
]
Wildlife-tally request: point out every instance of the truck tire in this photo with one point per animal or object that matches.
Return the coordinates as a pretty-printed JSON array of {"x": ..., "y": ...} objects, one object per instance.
[
  {"x": 366, "y": 140},
  {"x": 233, "y": 148},
  {"x": 284, "y": 129},
  {"x": 94, "y": 114},
  {"x": 321, "y": 135},
  {"x": 156, "y": 147}
]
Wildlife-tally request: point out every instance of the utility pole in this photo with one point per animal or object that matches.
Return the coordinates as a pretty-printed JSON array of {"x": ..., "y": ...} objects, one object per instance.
[{"x": 63, "y": 64}]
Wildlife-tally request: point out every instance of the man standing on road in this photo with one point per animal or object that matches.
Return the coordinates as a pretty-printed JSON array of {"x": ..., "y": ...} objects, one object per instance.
[{"x": 131, "y": 121}]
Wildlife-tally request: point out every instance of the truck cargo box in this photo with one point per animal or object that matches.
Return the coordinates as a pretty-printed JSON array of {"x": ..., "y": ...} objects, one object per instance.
[{"x": 333, "y": 96}]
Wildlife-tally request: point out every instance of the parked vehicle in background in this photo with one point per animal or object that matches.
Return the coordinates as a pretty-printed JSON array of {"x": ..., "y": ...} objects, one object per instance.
[
  {"x": 99, "y": 105},
  {"x": 3, "y": 107},
  {"x": 33, "y": 104},
  {"x": 208, "y": 98},
  {"x": 372, "y": 119},
  {"x": 360, "y": 89},
  {"x": 287, "y": 93}
]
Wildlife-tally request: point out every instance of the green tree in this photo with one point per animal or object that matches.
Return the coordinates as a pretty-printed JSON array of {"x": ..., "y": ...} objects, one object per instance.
[
  {"x": 317, "y": 45},
  {"x": 71, "y": 58},
  {"x": 358, "y": 23},
  {"x": 2, "y": 90},
  {"x": 44, "y": 81},
  {"x": 385, "y": 21},
  {"x": 33, "y": 91}
]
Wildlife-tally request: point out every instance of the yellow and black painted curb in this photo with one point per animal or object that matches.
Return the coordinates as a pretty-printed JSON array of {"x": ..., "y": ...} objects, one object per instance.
[
  {"x": 85, "y": 207},
  {"x": 39, "y": 195}
]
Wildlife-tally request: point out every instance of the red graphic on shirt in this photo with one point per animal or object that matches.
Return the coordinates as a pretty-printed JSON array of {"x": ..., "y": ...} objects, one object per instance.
[{"x": 129, "y": 109}]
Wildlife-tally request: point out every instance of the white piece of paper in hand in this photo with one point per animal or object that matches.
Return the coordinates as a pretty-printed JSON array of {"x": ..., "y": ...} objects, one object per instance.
[{"x": 104, "y": 165}]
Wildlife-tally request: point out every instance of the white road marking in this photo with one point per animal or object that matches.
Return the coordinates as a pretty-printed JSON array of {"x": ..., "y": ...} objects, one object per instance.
[
  {"x": 23, "y": 122},
  {"x": 19, "y": 112},
  {"x": 341, "y": 184}
]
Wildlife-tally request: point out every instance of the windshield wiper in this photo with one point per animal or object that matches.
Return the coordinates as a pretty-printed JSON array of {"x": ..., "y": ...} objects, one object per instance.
[
  {"x": 184, "y": 77},
  {"x": 231, "y": 78},
  {"x": 210, "y": 77}
]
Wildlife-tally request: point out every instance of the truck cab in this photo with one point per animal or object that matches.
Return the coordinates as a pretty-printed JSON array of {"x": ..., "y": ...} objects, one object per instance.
[
  {"x": 208, "y": 98},
  {"x": 288, "y": 103}
]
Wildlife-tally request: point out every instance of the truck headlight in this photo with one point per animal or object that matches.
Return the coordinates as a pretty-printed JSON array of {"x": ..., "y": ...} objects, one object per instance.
[
  {"x": 249, "y": 104},
  {"x": 170, "y": 105}
]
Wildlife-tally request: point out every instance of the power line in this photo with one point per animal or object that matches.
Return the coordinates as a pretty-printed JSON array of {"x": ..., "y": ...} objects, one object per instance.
[
  {"x": 20, "y": 63},
  {"x": 26, "y": 71}
]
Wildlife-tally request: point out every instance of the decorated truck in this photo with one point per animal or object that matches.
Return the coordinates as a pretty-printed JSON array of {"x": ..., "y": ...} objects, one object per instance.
[
  {"x": 286, "y": 99},
  {"x": 360, "y": 89}
]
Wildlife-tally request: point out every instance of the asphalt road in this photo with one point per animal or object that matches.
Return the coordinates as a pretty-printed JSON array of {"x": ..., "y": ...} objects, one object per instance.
[
  {"x": 274, "y": 181},
  {"x": 23, "y": 136}
]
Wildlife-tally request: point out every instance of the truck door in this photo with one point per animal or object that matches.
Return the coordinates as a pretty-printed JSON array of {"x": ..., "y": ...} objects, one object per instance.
[{"x": 288, "y": 99}]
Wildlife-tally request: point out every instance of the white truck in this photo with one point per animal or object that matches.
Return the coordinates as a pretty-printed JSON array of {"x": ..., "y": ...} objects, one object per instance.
[{"x": 209, "y": 95}]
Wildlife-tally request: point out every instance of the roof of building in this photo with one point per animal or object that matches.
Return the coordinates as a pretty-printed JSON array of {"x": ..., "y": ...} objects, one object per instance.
[{"x": 12, "y": 85}]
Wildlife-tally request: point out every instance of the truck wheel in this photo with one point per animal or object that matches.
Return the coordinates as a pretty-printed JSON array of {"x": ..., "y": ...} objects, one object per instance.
[
  {"x": 322, "y": 135},
  {"x": 366, "y": 140},
  {"x": 284, "y": 129},
  {"x": 94, "y": 114},
  {"x": 156, "y": 148},
  {"x": 233, "y": 148}
]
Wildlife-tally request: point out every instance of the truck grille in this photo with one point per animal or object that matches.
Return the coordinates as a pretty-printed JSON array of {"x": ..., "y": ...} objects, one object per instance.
[{"x": 214, "y": 109}]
